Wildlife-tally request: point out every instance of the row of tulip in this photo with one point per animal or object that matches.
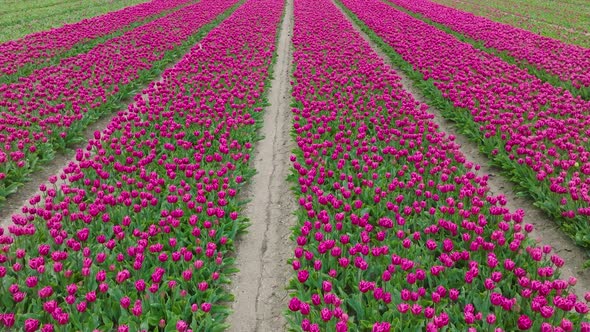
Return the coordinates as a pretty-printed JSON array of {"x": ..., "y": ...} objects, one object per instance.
[
  {"x": 49, "y": 46},
  {"x": 140, "y": 233},
  {"x": 537, "y": 133},
  {"x": 49, "y": 110},
  {"x": 549, "y": 59},
  {"x": 396, "y": 230}
]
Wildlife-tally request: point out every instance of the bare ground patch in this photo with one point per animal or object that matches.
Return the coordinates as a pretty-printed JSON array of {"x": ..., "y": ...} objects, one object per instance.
[{"x": 260, "y": 286}]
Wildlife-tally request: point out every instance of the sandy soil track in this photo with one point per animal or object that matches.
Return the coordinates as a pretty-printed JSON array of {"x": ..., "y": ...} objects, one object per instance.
[{"x": 259, "y": 287}]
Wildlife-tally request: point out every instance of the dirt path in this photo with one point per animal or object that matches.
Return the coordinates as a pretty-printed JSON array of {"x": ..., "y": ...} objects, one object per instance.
[
  {"x": 259, "y": 287},
  {"x": 546, "y": 231}
]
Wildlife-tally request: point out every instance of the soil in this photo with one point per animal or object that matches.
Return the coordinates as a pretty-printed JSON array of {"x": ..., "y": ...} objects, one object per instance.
[
  {"x": 545, "y": 230},
  {"x": 262, "y": 253}
]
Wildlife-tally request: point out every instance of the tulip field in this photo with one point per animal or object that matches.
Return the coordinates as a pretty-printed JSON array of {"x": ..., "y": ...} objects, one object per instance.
[
  {"x": 394, "y": 228},
  {"x": 46, "y": 110},
  {"x": 537, "y": 132},
  {"x": 47, "y": 45},
  {"x": 550, "y": 59}
]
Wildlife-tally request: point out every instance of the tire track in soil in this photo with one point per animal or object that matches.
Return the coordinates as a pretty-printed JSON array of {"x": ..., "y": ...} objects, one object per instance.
[
  {"x": 545, "y": 230},
  {"x": 261, "y": 256}
]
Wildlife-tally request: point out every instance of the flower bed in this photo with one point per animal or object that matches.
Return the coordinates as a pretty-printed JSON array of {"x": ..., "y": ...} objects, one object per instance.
[
  {"x": 139, "y": 235},
  {"x": 48, "y": 110},
  {"x": 396, "y": 231},
  {"x": 544, "y": 57},
  {"x": 42, "y": 46},
  {"x": 537, "y": 133}
]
